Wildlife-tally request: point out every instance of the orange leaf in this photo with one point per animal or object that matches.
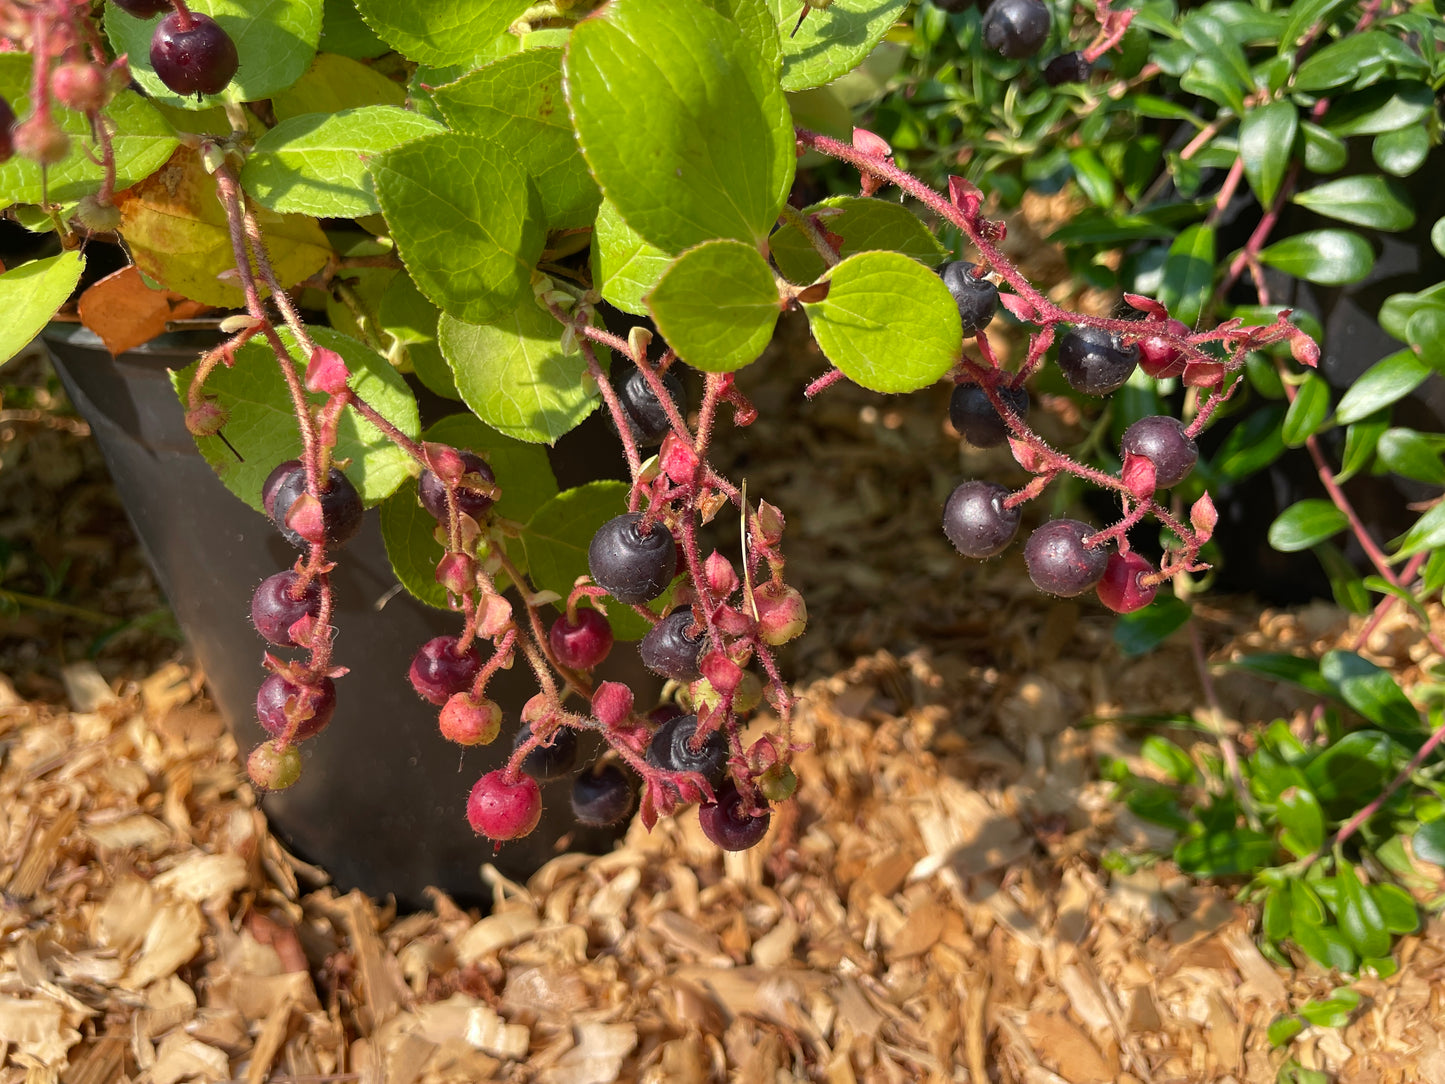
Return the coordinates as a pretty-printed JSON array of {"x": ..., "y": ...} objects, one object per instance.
[{"x": 125, "y": 312}]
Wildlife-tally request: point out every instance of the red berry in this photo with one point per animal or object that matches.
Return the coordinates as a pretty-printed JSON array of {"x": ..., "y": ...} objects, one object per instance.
[
  {"x": 583, "y": 645},
  {"x": 1165, "y": 442},
  {"x": 468, "y": 721},
  {"x": 1120, "y": 589},
  {"x": 279, "y": 701},
  {"x": 191, "y": 54},
  {"x": 503, "y": 809},
  {"x": 782, "y": 613},
  {"x": 437, "y": 671},
  {"x": 1158, "y": 357}
]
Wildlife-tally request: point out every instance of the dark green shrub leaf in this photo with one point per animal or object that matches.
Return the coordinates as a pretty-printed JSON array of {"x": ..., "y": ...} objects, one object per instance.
[
  {"x": 717, "y": 305},
  {"x": 1140, "y": 632},
  {"x": 1402, "y": 151},
  {"x": 30, "y": 294},
  {"x": 1425, "y": 331},
  {"x": 1356, "y": 59},
  {"x": 1427, "y": 534},
  {"x": 1304, "y": 523},
  {"x": 1397, "y": 309},
  {"x": 1329, "y": 257},
  {"x": 1411, "y": 455},
  {"x": 440, "y": 31},
  {"x": 1226, "y": 853},
  {"x": 1304, "y": 15},
  {"x": 1281, "y": 667},
  {"x": 1388, "y": 380},
  {"x": 1188, "y": 273},
  {"x": 1361, "y": 440},
  {"x": 1371, "y": 691},
  {"x": 1308, "y": 411},
  {"x": 1359, "y": 915},
  {"x": 1378, "y": 202},
  {"x": 1302, "y": 820},
  {"x": 1359, "y": 763},
  {"x": 1350, "y": 591},
  {"x": 1211, "y": 78},
  {"x": 1253, "y": 444},
  {"x": 1428, "y": 842},
  {"x": 1093, "y": 177},
  {"x": 1437, "y": 236},
  {"x": 1385, "y": 107},
  {"x": 1397, "y": 907},
  {"x": 1266, "y": 142},
  {"x": 1325, "y": 152},
  {"x": 1275, "y": 920},
  {"x": 1157, "y": 804}
]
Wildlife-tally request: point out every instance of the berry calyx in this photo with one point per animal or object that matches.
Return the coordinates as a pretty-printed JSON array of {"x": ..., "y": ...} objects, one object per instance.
[
  {"x": 274, "y": 767},
  {"x": 295, "y": 711},
  {"x": 646, "y": 416},
  {"x": 669, "y": 650},
  {"x": 727, "y": 822},
  {"x": 468, "y": 721},
  {"x": 143, "y": 9},
  {"x": 1016, "y": 28},
  {"x": 102, "y": 216},
  {"x": 973, "y": 414},
  {"x": 548, "y": 762},
  {"x": 1120, "y": 589},
  {"x": 601, "y": 796},
  {"x": 583, "y": 644},
  {"x": 977, "y": 298},
  {"x": 501, "y": 808},
  {"x": 671, "y": 750},
  {"x": 1067, "y": 68},
  {"x": 1159, "y": 357},
  {"x": 1166, "y": 443},
  {"x": 631, "y": 566},
  {"x": 191, "y": 54},
  {"x": 275, "y": 606},
  {"x": 470, "y": 502},
  {"x": 1058, "y": 561},
  {"x": 1095, "y": 361},
  {"x": 438, "y": 671},
  {"x": 976, "y": 520},
  {"x": 341, "y": 509}
]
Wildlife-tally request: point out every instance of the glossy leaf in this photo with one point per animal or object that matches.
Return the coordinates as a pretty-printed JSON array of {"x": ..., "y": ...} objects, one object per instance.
[
  {"x": 1425, "y": 331},
  {"x": 1359, "y": 915},
  {"x": 1388, "y": 380},
  {"x": 1401, "y": 151},
  {"x": 1334, "y": 1011},
  {"x": 1266, "y": 143},
  {"x": 1328, "y": 257},
  {"x": 1142, "y": 631},
  {"x": 888, "y": 322},
  {"x": 1411, "y": 455},
  {"x": 1305, "y": 15},
  {"x": 1278, "y": 666},
  {"x": 1359, "y": 763},
  {"x": 440, "y": 31},
  {"x": 1253, "y": 444},
  {"x": 1188, "y": 273},
  {"x": 1397, "y": 907},
  {"x": 1385, "y": 107},
  {"x": 1304, "y": 523},
  {"x": 1325, "y": 152},
  {"x": 1302, "y": 820},
  {"x": 1225, "y": 853},
  {"x": 1308, "y": 411},
  {"x": 1428, "y": 533},
  {"x": 1283, "y": 1029},
  {"x": 30, "y": 294},
  {"x": 717, "y": 305},
  {"x": 1378, "y": 202},
  {"x": 1437, "y": 236},
  {"x": 1428, "y": 842},
  {"x": 831, "y": 40}
]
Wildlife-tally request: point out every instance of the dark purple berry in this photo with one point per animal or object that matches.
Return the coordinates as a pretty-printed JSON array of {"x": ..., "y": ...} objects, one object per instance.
[
  {"x": 601, "y": 796},
  {"x": 548, "y": 762},
  {"x": 319, "y": 700},
  {"x": 7, "y": 124},
  {"x": 671, "y": 750},
  {"x": 976, "y": 521},
  {"x": 143, "y": 9},
  {"x": 470, "y": 502},
  {"x": 1016, "y": 28},
  {"x": 340, "y": 503},
  {"x": 1067, "y": 68},
  {"x": 973, "y": 415},
  {"x": 977, "y": 298},
  {"x": 583, "y": 645},
  {"x": 1058, "y": 561},
  {"x": 728, "y": 823},
  {"x": 191, "y": 54},
  {"x": 646, "y": 416},
  {"x": 955, "y": 5},
  {"x": 437, "y": 671},
  {"x": 275, "y": 608},
  {"x": 667, "y": 649},
  {"x": 1095, "y": 361},
  {"x": 628, "y": 565},
  {"x": 1165, "y": 443}
]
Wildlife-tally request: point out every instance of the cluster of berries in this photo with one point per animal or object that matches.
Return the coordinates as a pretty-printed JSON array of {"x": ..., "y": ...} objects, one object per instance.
[{"x": 1018, "y": 29}]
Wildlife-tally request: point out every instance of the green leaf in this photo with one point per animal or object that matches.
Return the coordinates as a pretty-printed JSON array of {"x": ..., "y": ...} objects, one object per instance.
[
  {"x": 1188, "y": 273},
  {"x": 681, "y": 121},
  {"x": 1266, "y": 143},
  {"x": 1302, "y": 820},
  {"x": 1397, "y": 907},
  {"x": 1359, "y": 915},
  {"x": 316, "y": 164},
  {"x": 1284, "y": 1028},
  {"x": 1359, "y": 763},
  {"x": 865, "y": 225},
  {"x": 1388, "y": 380},
  {"x": 1401, "y": 151},
  {"x": 888, "y": 322},
  {"x": 1225, "y": 854},
  {"x": 143, "y": 141},
  {"x": 1355, "y": 59},
  {"x": 1428, "y": 843},
  {"x": 1437, "y": 235},
  {"x": 1168, "y": 758},
  {"x": 1425, "y": 331},
  {"x": 1303, "y": 16},
  {"x": 411, "y": 322},
  {"x": 1275, "y": 917},
  {"x": 1278, "y": 666},
  {"x": 1385, "y": 107},
  {"x": 556, "y": 539},
  {"x": 1325, "y": 152},
  {"x": 1253, "y": 444},
  {"x": 409, "y": 532},
  {"x": 1411, "y": 455},
  {"x": 275, "y": 42},
  {"x": 1328, "y": 257},
  {"x": 262, "y": 425},
  {"x": 466, "y": 219},
  {"x": 1361, "y": 439},
  {"x": 1304, "y": 523},
  {"x": 625, "y": 268},
  {"x": 1093, "y": 177},
  {"x": 440, "y": 31},
  {"x": 1140, "y": 632},
  {"x": 30, "y": 294},
  {"x": 332, "y": 84},
  {"x": 1210, "y": 78},
  {"x": 1308, "y": 411},
  {"x": 1428, "y": 533},
  {"x": 1378, "y": 202},
  {"x": 832, "y": 40},
  {"x": 1334, "y": 1011},
  {"x": 344, "y": 32},
  {"x": 717, "y": 305},
  {"x": 518, "y": 102},
  {"x": 1397, "y": 310},
  {"x": 514, "y": 375},
  {"x": 1350, "y": 590}
]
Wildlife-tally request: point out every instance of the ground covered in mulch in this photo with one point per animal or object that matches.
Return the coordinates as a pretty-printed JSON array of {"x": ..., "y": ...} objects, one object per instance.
[{"x": 933, "y": 905}]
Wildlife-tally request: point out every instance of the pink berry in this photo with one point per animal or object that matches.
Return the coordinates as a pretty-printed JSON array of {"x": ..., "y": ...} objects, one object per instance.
[
  {"x": 782, "y": 613},
  {"x": 468, "y": 721},
  {"x": 583, "y": 645},
  {"x": 503, "y": 809},
  {"x": 437, "y": 671},
  {"x": 1158, "y": 357},
  {"x": 1120, "y": 589}
]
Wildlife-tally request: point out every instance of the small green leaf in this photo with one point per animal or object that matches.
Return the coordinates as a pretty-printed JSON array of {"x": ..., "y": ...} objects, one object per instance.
[
  {"x": 1397, "y": 907},
  {"x": 1305, "y": 15},
  {"x": 864, "y": 225},
  {"x": 1388, "y": 380},
  {"x": 1437, "y": 235},
  {"x": 1275, "y": 918},
  {"x": 1325, "y": 152},
  {"x": 410, "y": 320},
  {"x": 1428, "y": 843},
  {"x": 513, "y": 374},
  {"x": 1302, "y": 820},
  {"x": 440, "y": 31},
  {"x": 888, "y": 322},
  {"x": 832, "y": 40},
  {"x": 1304, "y": 523},
  {"x": 1188, "y": 273},
  {"x": 1225, "y": 854},
  {"x": 1427, "y": 534},
  {"x": 1253, "y": 444},
  {"x": 1334, "y": 1011},
  {"x": 1402, "y": 151},
  {"x": 330, "y": 85},
  {"x": 1361, "y": 440},
  {"x": 1308, "y": 411},
  {"x": 1284, "y": 1028},
  {"x": 30, "y": 294},
  {"x": 1425, "y": 331},
  {"x": 1168, "y": 758},
  {"x": 1360, "y": 917},
  {"x": 345, "y": 33},
  {"x": 1328, "y": 257},
  {"x": 1350, "y": 591},
  {"x": 1093, "y": 177},
  {"x": 1378, "y": 202},
  {"x": 1371, "y": 690},
  {"x": 717, "y": 305},
  {"x": 1266, "y": 143},
  {"x": 1385, "y": 107},
  {"x": 1359, "y": 763},
  {"x": 1140, "y": 632},
  {"x": 467, "y": 222},
  {"x": 1277, "y": 666},
  {"x": 1411, "y": 455}
]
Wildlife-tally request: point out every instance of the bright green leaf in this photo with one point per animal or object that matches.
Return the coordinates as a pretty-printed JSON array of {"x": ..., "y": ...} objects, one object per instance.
[
  {"x": 1411, "y": 455},
  {"x": 1437, "y": 235},
  {"x": 1308, "y": 411},
  {"x": 1253, "y": 444},
  {"x": 1366, "y": 200},
  {"x": 831, "y": 40},
  {"x": 864, "y": 225},
  {"x": 625, "y": 268},
  {"x": 1283, "y": 1029},
  {"x": 1325, "y": 152},
  {"x": 1428, "y": 842},
  {"x": 410, "y": 320},
  {"x": 716, "y": 305},
  {"x": 440, "y": 31},
  {"x": 1428, "y": 533},
  {"x": 1328, "y": 257},
  {"x": 345, "y": 33},
  {"x": 1359, "y": 915},
  {"x": 1302, "y": 820},
  {"x": 1225, "y": 853},
  {"x": 1388, "y": 380},
  {"x": 1425, "y": 331},
  {"x": 1401, "y": 151},
  {"x": 1334, "y": 1011},
  {"x": 1304, "y": 523},
  {"x": 1397, "y": 907},
  {"x": 30, "y": 294},
  {"x": 1266, "y": 144},
  {"x": 334, "y": 83},
  {"x": 1188, "y": 273},
  {"x": 1277, "y": 666}
]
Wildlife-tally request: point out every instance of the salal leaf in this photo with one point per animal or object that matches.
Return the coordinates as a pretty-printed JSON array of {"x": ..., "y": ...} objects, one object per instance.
[
  {"x": 682, "y": 122},
  {"x": 261, "y": 430},
  {"x": 275, "y": 41},
  {"x": 717, "y": 305},
  {"x": 315, "y": 164},
  {"x": 466, "y": 219},
  {"x": 625, "y": 268},
  {"x": 344, "y": 32},
  {"x": 833, "y": 40},
  {"x": 1266, "y": 143},
  {"x": 333, "y": 83},
  {"x": 517, "y": 101},
  {"x": 29, "y": 296},
  {"x": 514, "y": 375},
  {"x": 888, "y": 322},
  {"x": 440, "y": 31},
  {"x": 1328, "y": 257},
  {"x": 864, "y": 225},
  {"x": 1378, "y": 202},
  {"x": 411, "y": 321}
]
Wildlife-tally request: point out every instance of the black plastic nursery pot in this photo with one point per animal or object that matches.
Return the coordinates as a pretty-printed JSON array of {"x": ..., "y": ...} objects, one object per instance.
[{"x": 381, "y": 801}]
